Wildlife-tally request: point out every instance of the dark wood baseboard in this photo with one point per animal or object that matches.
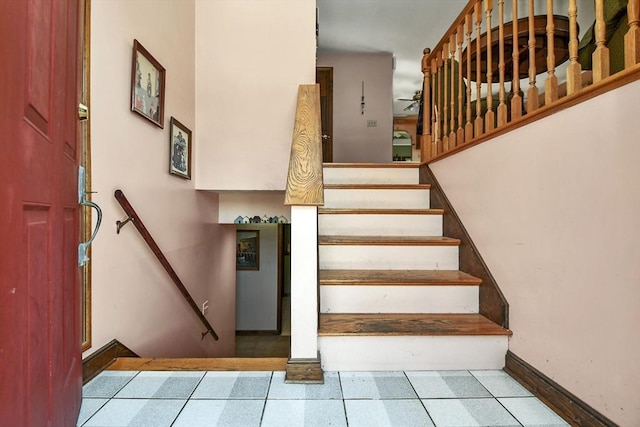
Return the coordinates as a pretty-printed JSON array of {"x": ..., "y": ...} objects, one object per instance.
[
  {"x": 102, "y": 358},
  {"x": 304, "y": 371},
  {"x": 564, "y": 403}
]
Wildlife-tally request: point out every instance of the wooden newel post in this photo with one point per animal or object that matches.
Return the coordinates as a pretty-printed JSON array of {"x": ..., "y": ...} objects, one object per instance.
[
  {"x": 632, "y": 38},
  {"x": 425, "y": 144}
]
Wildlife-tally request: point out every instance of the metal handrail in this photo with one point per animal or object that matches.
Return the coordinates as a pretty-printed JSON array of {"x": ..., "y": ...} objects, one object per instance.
[{"x": 137, "y": 222}]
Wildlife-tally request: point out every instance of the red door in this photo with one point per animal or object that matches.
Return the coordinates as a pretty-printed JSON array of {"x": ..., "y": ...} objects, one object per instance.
[{"x": 40, "y": 323}]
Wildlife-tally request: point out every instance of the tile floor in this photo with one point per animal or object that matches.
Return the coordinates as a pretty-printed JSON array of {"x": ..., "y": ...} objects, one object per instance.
[{"x": 244, "y": 399}]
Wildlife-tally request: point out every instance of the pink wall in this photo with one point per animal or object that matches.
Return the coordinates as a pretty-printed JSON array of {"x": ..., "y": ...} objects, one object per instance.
[
  {"x": 251, "y": 56},
  {"x": 353, "y": 140},
  {"x": 554, "y": 208},
  {"x": 133, "y": 299}
]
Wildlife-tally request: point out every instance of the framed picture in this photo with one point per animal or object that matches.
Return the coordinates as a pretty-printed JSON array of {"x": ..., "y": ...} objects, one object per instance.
[
  {"x": 179, "y": 149},
  {"x": 147, "y": 85},
  {"x": 247, "y": 249}
]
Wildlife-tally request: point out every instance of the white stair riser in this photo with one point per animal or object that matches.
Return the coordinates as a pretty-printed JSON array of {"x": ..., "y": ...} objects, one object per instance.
[
  {"x": 398, "y": 299},
  {"x": 332, "y": 175},
  {"x": 412, "y": 353},
  {"x": 379, "y": 225},
  {"x": 376, "y": 198},
  {"x": 390, "y": 257}
]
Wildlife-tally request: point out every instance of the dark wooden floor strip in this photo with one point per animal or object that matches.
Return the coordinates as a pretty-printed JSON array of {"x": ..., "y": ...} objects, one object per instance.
[
  {"x": 407, "y": 324},
  {"x": 388, "y": 240},
  {"x": 200, "y": 364},
  {"x": 398, "y": 277}
]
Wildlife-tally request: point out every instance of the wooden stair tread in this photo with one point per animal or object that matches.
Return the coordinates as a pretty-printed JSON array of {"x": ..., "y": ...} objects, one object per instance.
[
  {"x": 398, "y": 277},
  {"x": 199, "y": 364},
  {"x": 377, "y": 186},
  {"x": 369, "y": 211},
  {"x": 389, "y": 240},
  {"x": 371, "y": 165},
  {"x": 394, "y": 324}
]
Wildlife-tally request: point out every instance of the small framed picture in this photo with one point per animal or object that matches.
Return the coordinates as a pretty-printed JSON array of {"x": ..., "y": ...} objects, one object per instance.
[
  {"x": 247, "y": 249},
  {"x": 179, "y": 149},
  {"x": 147, "y": 85}
]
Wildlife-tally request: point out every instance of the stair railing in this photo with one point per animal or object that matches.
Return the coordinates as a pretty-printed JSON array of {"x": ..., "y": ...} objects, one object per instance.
[
  {"x": 304, "y": 193},
  {"x": 137, "y": 222},
  {"x": 473, "y": 77}
]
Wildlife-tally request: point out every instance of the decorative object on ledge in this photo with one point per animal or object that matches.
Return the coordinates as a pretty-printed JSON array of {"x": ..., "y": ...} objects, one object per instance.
[
  {"x": 258, "y": 220},
  {"x": 180, "y": 141},
  {"x": 147, "y": 85},
  {"x": 247, "y": 249}
]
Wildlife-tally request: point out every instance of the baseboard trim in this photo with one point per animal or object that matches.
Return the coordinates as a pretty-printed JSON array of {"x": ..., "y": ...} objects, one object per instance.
[
  {"x": 304, "y": 371},
  {"x": 102, "y": 358},
  {"x": 564, "y": 403}
]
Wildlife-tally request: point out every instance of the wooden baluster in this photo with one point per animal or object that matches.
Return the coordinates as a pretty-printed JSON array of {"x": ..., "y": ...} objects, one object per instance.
[
  {"x": 434, "y": 115},
  {"x": 574, "y": 70},
  {"x": 479, "y": 123},
  {"x": 632, "y": 38},
  {"x": 502, "y": 107},
  {"x": 460, "y": 86},
  {"x": 445, "y": 105},
  {"x": 425, "y": 142},
  {"x": 532, "y": 93},
  {"x": 516, "y": 94},
  {"x": 468, "y": 128},
  {"x": 439, "y": 104},
  {"x": 452, "y": 59},
  {"x": 490, "y": 116},
  {"x": 600, "y": 57},
  {"x": 551, "y": 83}
]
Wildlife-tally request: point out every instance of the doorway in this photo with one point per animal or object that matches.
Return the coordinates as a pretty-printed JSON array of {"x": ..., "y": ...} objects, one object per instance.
[
  {"x": 262, "y": 293},
  {"x": 324, "y": 77}
]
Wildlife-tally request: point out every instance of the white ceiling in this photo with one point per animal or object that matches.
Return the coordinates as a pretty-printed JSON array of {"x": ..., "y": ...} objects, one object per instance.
[{"x": 401, "y": 27}]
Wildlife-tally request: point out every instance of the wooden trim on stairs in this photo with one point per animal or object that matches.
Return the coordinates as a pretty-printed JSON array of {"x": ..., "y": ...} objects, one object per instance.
[
  {"x": 564, "y": 403},
  {"x": 493, "y": 304},
  {"x": 100, "y": 360}
]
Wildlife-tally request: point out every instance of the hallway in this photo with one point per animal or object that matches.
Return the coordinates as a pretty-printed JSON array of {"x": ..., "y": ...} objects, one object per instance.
[{"x": 245, "y": 399}]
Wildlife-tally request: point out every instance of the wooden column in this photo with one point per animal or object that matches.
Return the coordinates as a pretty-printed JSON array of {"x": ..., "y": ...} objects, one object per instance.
[
  {"x": 502, "y": 108},
  {"x": 601, "y": 64},
  {"x": 551, "y": 83},
  {"x": 532, "y": 93},
  {"x": 489, "y": 117},
  {"x": 435, "y": 118},
  {"x": 426, "y": 145},
  {"x": 460, "y": 87},
  {"x": 516, "y": 95},
  {"x": 632, "y": 38},
  {"x": 468, "y": 127},
  {"x": 478, "y": 124},
  {"x": 452, "y": 60},
  {"x": 574, "y": 70},
  {"x": 445, "y": 104}
]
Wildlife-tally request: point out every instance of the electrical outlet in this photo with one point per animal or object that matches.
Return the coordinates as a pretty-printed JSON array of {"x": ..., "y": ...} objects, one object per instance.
[
  {"x": 205, "y": 307},
  {"x": 372, "y": 123}
]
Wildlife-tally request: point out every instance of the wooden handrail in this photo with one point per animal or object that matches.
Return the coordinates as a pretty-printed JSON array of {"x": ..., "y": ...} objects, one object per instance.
[
  {"x": 137, "y": 222},
  {"x": 530, "y": 48},
  {"x": 304, "y": 180}
]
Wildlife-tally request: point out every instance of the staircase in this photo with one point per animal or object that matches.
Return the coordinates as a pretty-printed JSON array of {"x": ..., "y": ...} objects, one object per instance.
[{"x": 391, "y": 294}]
